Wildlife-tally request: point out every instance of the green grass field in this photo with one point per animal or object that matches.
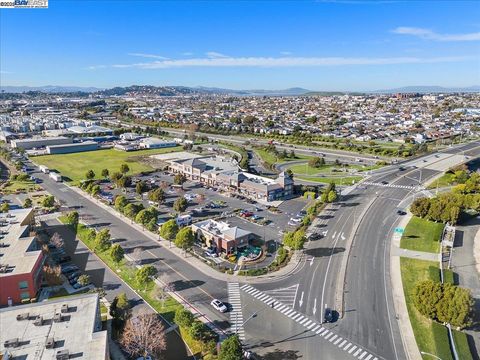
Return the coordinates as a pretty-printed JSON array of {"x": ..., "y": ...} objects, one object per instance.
[
  {"x": 16, "y": 186},
  {"x": 347, "y": 180},
  {"x": 74, "y": 166},
  {"x": 431, "y": 337},
  {"x": 271, "y": 159},
  {"x": 422, "y": 235},
  {"x": 443, "y": 181}
]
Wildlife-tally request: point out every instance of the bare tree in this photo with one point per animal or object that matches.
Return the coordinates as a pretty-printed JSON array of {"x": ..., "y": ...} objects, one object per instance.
[
  {"x": 137, "y": 255},
  {"x": 164, "y": 185},
  {"x": 144, "y": 335},
  {"x": 160, "y": 292},
  {"x": 57, "y": 240},
  {"x": 52, "y": 275}
]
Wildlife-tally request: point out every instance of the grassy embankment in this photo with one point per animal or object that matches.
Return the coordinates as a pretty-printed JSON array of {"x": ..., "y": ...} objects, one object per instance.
[
  {"x": 422, "y": 235},
  {"x": 431, "y": 337}
]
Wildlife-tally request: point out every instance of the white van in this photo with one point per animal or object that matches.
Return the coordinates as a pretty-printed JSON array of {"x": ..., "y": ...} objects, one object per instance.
[{"x": 184, "y": 220}]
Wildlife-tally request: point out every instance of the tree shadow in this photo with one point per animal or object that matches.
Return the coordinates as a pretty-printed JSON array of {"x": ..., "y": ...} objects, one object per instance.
[
  {"x": 180, "y": 285},
  {"x": 278, "y": 354},
  {"x": 324, "y": 251}
]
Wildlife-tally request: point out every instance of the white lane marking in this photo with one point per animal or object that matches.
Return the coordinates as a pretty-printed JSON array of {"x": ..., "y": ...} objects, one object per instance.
[
  {"x": 333, "y": 338},
  {"x": 337, "y": 341},
  {"x": 346, "y": 347},
  {"x": 369, "y": 357},
  {"x": 352, "y": 349},
  {"x": 357, "y": 352},
  {"x": 328, "y": 335},
  {"x": 307, "y": 323},
  {"x": 342, "y": 343},
  {"x": 363, "y": 355}
]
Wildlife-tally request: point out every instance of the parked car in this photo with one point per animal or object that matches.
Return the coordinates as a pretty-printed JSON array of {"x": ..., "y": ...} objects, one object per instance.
[
  {"x": 74, "y": 275},
  {"x": 401, "y": 212},
  {"x": 211, "y": 252},
  {"x": 218, "y": 305},
  {"x": 69, "y": 269}
]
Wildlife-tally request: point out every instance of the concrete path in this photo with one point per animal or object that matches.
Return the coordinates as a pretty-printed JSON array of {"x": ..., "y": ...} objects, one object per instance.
[{"x": 408, "y": 338}]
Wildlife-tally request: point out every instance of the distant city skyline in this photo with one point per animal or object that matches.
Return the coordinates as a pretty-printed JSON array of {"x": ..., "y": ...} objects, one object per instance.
[{"x": 321, "y": 45}]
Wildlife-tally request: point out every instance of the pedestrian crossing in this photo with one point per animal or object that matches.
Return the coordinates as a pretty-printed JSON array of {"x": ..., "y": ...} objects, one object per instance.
[
  {"x": 311, "y": 325},
  {"x": 236, "y": 316},
  {"x": 391, "y": 185},
  {"x": 285, "y": 295}
]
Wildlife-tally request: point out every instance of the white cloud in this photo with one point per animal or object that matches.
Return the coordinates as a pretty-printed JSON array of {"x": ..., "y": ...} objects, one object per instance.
[
  {"x": 215, "y": 55},
  {"x": 431, "y": 35},
  {"x": 187, "y": 53},
  {"x": 285, "y": 53},
  {"x": 151, "y": 56},
  {"x": 271, "y": 62}
]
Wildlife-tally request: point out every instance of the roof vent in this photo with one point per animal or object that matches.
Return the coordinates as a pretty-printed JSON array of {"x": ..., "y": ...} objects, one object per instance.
[
  {"x": 38, "y": 321},
  {"x": 62, "y": 355},
  {"x": 65, "y": 308},
  {"x": 50, "y": 343},
  {"x": 58, "y": 317},
  {"x": 24, "y": 316},
  {"x": 11, "y": 343}
]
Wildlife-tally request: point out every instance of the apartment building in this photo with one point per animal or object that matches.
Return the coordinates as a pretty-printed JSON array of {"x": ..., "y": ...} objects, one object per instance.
[{"x": 21, "y": 258}]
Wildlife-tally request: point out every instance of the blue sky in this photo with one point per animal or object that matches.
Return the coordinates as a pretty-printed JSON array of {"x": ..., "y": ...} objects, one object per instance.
[{"x": 319, "y": 45}]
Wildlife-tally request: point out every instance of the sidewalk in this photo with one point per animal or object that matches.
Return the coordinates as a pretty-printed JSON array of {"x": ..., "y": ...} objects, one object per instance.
[
  {"x": 200, "y": 265},
  {"x": 406, "y": 331}
]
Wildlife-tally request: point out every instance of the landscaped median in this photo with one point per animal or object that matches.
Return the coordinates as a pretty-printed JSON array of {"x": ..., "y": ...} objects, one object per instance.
[{"x": 199, "y": 341}]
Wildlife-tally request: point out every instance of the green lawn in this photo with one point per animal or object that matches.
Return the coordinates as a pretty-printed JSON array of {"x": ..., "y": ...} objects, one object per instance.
[
  {"x": 461, "y": 344},
  {"x": 15, "y": 186},
  {"x": 271, "y": 159},
  {"x": 74, "y": 166},
  {"x": 431, "y": 337},
  {"x": 443, "y": 181},
  {"x": 422, "y": 235},
  {"x": 347, "y": 180}
]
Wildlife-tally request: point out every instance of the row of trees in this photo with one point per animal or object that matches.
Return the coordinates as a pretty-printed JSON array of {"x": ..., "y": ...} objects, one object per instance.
[
  {"x": 183, "y": 238},
  {"x": 445, "y": 303}
]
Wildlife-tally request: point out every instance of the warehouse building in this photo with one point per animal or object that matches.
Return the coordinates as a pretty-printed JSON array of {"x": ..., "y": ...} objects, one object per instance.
[
  {"x": 155, "y": 143},
  {"x": 40, "y": 142},
  {"x": 65, "y": 328},
  {"x": 72, "y": 148}
]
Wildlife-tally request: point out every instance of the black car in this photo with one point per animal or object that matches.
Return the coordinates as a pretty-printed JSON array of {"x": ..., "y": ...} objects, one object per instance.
[
  {"x": 401, "y": 212},
  {"x": 64, "y": 259},
  {"x": 328, "y": 315}
]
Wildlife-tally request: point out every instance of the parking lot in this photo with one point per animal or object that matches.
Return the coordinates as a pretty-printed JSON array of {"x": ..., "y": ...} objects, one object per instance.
[{"x": 204, "y": 203}]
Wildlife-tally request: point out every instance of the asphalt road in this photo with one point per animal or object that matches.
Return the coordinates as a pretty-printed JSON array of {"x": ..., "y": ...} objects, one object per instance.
[
  {"x": 367, "y": 215},
  {"x": 194, "y": 286}
]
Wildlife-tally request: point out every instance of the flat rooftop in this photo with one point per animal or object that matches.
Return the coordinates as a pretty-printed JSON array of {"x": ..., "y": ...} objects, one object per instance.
[
  {"x": 19, "y": 251},
  {"x": 78, "y": 332}
]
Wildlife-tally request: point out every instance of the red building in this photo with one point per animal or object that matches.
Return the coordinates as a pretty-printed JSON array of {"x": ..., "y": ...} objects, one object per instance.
[{"x": 21, "y": 258}]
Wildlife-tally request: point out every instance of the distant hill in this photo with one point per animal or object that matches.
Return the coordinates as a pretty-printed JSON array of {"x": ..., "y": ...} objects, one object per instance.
[
  {"x": 430, "y": 89},
  {"x": 48, "y": 89}
]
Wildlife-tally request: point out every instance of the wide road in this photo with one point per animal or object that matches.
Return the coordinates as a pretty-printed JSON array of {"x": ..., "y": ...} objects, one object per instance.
[
  {"x": 358, "y": 285},
  {"x": 365, "y": 218},
  {"x": 330, "y": 154},
  {"x": 193, "y": 285}
]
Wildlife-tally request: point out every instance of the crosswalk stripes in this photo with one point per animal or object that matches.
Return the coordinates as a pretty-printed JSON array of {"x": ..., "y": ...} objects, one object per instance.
[
  {"x": 285, "y": 295},
  {"x": 236, "y": 316},
  {"x": 310, "y": 324},
  {"x": 391, "y": 185}
]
